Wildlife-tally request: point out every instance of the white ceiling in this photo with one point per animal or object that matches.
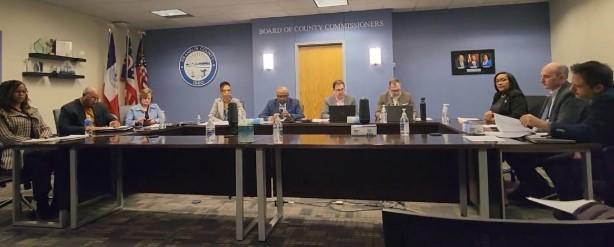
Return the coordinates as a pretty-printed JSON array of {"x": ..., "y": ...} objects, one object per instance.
[{"x": 137, "y": 13}]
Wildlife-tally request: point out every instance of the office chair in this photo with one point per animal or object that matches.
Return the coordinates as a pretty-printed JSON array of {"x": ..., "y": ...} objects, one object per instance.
[
  {"x": 403, "y": 228},
  {"x": 56, "y": 117}
]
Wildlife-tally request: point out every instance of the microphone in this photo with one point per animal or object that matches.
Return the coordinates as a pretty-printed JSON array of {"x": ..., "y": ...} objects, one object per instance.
[
  {"x": 233, "y": 118},
  {"x": 363, "y": 111},
  {"x": 423, "y": 109}
]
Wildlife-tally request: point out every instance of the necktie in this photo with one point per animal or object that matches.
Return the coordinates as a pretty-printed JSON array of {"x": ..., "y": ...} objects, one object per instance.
[{"x": 547, "y": 108}]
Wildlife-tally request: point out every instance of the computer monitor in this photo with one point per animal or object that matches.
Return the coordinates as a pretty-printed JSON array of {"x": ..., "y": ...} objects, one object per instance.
[
  {"x": 394, "y": 113},
  {"x": 339, "y": 113}
]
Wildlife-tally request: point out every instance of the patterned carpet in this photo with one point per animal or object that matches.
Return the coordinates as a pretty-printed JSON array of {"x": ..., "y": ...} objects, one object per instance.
[{"x": 193, "y": 220}]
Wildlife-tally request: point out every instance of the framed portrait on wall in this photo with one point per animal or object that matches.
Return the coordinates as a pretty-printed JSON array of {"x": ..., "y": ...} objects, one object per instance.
[{"x": 471, "y": 62}]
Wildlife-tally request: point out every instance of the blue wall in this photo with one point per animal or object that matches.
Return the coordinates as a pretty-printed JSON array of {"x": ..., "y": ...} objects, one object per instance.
[
  {"x": 520, "y": 35},
  {"x": 232, "y": 46},
  {"x": 362, "y": 79}
]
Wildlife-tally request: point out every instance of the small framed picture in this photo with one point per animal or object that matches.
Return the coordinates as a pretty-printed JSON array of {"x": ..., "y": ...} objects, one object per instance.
[{"x": 471, "y": 62}]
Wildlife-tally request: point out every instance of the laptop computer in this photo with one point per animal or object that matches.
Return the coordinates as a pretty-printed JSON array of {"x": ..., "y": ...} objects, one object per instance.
[
  {"x": 339, "y": 113},
  {"x": 394, "y": 113}
]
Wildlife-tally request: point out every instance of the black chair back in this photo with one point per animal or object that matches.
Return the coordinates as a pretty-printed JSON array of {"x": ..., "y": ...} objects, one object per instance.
[
  {"x": 535, "y": 104},
  {"x": 402, "y": 228},
  {"x": 56, "y": 117}
]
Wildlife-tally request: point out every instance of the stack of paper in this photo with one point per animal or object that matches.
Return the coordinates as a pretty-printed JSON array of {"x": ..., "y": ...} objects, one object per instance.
[
  {"x": 510, "y": 127},
  {"x": 486, "y": 138},
  {"x": 567, "y": 206}
]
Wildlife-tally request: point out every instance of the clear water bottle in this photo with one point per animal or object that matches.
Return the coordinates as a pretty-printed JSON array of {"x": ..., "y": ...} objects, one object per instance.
[
  {"x": 383, "y": 118},
  {"x": 162, "y": 120},
  {"x": 404, "y": 124},
  {"x": 88, "y": 123},
  {"x": 198, "y": 118},
  {"x": 210, "y": 129},
  {"x": 278, "y": 129},
  {"x": 444, "y": 114}
]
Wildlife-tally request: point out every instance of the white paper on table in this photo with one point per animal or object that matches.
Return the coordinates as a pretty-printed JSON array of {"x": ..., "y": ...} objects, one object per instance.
[
  {"x": 59, "y": 138},
  {"x": 567, "y": 206},
  {"x": 319, "y": 120},
  {"x": 462, "y": 120},
  {"x": 510, "y": 127},
  {"x": 487, "y": 138},
  {"x": 219, "y": 123},
  {"x": 489, "y": 126}
]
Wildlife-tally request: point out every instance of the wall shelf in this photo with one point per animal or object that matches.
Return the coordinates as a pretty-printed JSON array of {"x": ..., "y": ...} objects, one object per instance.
[
  {"x": 55, "y": 57},
  {"x": 53, "y": 75}
]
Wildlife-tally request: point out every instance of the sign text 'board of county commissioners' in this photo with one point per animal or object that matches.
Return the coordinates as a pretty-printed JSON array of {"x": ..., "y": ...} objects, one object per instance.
[{"x": 198, "y": 66}]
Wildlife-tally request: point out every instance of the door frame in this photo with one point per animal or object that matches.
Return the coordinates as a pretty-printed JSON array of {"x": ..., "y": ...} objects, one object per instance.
[{"x": 297, "y": 65}]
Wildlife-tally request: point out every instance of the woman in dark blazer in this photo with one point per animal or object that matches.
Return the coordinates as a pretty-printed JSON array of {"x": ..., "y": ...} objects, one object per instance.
[{"x": 508, "y": 100}]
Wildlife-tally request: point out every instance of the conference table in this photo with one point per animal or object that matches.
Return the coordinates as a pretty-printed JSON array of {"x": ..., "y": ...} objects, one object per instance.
[{"x": 450, "y": 146}]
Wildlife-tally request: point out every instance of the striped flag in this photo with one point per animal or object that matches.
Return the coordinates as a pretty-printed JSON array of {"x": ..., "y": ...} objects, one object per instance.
[
  {"x": 128, "y": 76},
  {"x": 141, "y": 67},
  {"x": 110, "y": 81}
]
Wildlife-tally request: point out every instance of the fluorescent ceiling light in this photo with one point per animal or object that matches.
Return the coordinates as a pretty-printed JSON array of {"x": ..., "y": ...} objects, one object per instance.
[
  {"x": 330, "y": 3},
  {"x": 169, "y": 13}
]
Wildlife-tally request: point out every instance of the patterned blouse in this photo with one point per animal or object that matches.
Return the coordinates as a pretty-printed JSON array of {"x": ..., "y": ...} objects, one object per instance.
[{"x": 16, "y": 127}]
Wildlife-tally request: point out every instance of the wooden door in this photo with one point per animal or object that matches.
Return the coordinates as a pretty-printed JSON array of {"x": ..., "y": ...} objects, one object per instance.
[{"x": 319, "y": 66}]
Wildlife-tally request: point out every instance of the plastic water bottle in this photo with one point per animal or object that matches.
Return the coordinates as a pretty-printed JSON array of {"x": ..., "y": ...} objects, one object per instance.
[
  {"x": 87, "y": 123},
  {"x": 444, "y": 114},
  {"x": 383, "y": 115},
  {"x": 162, "y": 120},
  {"x": 404, "y": 124},
  {"x": 198, "y": 118},
  {"x": 278, "y": 129},
  {"x": 210, "y": 129}
]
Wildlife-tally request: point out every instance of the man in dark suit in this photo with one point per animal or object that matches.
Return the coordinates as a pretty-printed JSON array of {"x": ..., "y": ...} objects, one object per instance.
[
  {"x": 73, "y": 114},
  {"x": 591, "y": 81},
  {"x": 561, "y": 106},
  {"x": 289, "y": 108}
]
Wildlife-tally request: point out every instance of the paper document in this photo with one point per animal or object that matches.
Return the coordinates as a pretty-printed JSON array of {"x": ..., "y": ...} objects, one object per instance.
[
  {"x": 462, "y": 120},
  {"x": 510, "y": 127},
  {"x": 217, "y": 123},
  {"x": 59, "y": 138},
  {"x": 567, "y": 206},
  {"x": 487, "y": 138},
  {"x": 319, "y": 120}
]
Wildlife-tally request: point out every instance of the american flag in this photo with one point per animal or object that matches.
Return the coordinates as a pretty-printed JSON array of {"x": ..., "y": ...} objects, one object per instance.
[
  {"x": 141, "y": 67},
  {"x": 128, "y": 76}
]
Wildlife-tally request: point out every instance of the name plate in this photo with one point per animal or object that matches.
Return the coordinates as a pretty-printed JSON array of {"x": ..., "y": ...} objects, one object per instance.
[{"x": 364, "y": 130}]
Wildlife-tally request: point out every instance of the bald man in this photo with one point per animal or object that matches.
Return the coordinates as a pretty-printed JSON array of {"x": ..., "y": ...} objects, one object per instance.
[
  {"x": 289, "y": 108},
  {"x": 74, "y": 113},
  {"x": 561, "y": 106}
]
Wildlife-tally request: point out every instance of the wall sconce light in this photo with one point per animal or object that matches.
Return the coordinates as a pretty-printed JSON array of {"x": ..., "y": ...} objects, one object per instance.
[
  {"x": 268, "y": 62},
  {"x": 375, "y": 56}
]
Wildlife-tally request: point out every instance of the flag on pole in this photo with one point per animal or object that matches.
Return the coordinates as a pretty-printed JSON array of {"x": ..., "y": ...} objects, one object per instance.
[
  {"x": 141, "y": 67},
  {"x": 128, "y": 76},
  {"x": 111, "y": 98}
]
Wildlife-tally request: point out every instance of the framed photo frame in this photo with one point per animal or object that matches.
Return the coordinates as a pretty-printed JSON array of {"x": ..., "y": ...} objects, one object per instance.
[{"x": 470, "y": 62}]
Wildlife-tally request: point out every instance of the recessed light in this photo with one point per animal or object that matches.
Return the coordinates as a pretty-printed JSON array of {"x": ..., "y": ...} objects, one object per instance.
[
  {"x": 169, "y": 13},
  {"x": 330, "y": 3}
]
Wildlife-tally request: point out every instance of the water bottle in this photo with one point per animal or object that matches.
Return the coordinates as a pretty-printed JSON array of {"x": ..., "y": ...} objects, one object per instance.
[
  {"x": 277, "y": 129},
  {"x": 162, "y": 120},
  {"x": 423, "y": 109},
  {"x": 210, "y": 129},
  {"x": 444, "y": 114},
  {"x": 198, "y": 118},
  {"x": 404, "y": 124},
  {"x": 383, "y": 118},
  {"x": 87, "y": 123}
]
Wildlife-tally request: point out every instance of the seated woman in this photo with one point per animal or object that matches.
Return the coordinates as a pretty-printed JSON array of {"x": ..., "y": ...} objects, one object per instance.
[
  {"x": 508, "y": 100},
  {"x": 145, "y": 113},
  {"x": 219, "y": 109},
  {"x": 20, "y": 122}
]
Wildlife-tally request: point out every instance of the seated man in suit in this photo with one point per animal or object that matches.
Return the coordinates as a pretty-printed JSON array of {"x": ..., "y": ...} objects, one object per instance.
[
  {"x": 394, "y": 96},
  {"x": 73, "y": 114},
  {"x": 289, "y": 108},
  {"x": 338, "y": 98},
  {"x": 592, "y": 81},
  {"x": 561, "y": 106},
  {"x": 219, "y": 109}
]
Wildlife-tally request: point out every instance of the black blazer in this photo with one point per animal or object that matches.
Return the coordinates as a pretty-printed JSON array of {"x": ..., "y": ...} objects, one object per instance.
[
  {"x": 566, "y": 108},
  {"x": 598, "y": 125},
  {"x": 72, "y": 116},
  {"x": 514, "y": 103}
]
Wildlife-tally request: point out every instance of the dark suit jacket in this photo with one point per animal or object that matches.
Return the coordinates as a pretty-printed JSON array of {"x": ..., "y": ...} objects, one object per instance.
[
  {"x": 293, "y": 106},
  {"x": 514, "y": 104},
  {"x": 72, "y": 116},
  {"x": 598, "y": 125},
  {"x": 566, "y": 108}
]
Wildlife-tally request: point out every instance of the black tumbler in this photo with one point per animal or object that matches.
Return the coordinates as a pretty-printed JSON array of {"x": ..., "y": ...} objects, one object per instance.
[
  {"x": 423, "y": 109},
  {"x": 233, "y": 118},
  {"x": 363, "y": 111}
]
